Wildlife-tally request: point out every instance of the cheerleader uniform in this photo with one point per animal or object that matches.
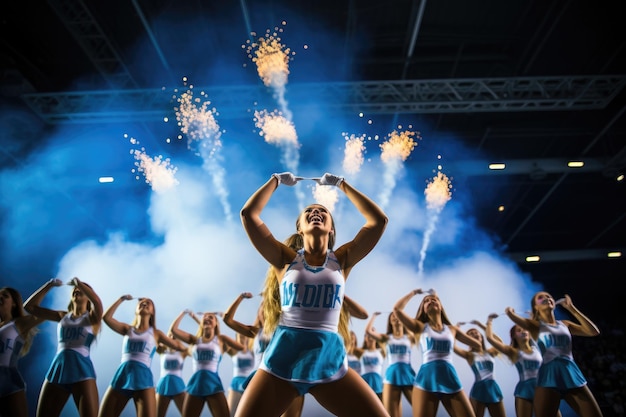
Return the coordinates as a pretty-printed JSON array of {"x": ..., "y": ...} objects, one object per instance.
[
  {"x": 11, "y": 344},
  {"x": 206, "y": 359},
  {"x": 485, "y": 389},
  {"x": 558, "y": 370},
  {"x": 72, "y": 362},
  {"x": 354, "y": 363},
  {"x": 243, "y": 366},
  {"x": 259, "y": 345},
  {"x": 372, "y": 369},
  {"x": 306, "y": 349},
  {"x": 437, "y": 374},
  {"x": 527, "y": 366},
  {"x": 134, "y": 373},
  {"x": 171, "y": 382},
  {"x": 399, "y": 371}
]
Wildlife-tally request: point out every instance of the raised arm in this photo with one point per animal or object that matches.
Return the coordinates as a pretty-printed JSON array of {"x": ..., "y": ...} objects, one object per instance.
[
  {"x": 464, "y": 353},
  {"x": 229, "y": 318},
  {"x": 584, "y": 327},
  {"x": 369, "y": 329},
  {"x": 181, "y": 334},
  {"x": 355, "y": 309},
  {"x": 274, "y": 251},
  {"x": 497, "y": 342},
  {"x": 230, "y": 345},
  {"x": 463, "y": 337},
  {"x": 95, "y": 315},
  {"x": 531, "y": 325},
  {"x": 33, "y": 304},
  {"x": 115, "y": 325},
  {"x": 409, "y": 322},
  {"x": 164, "y": 340},
  {"x": 370, "y": 233}
]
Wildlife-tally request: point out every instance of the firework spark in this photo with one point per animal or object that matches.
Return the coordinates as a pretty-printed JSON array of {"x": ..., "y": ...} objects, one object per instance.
[
  {"x": 196, "y": 120},
  {"x": 158, "y": 172},
  {"x": 438, "y": 192},
  {"x": 272, "y": 58},
  {"x": 394, "y": 151}
]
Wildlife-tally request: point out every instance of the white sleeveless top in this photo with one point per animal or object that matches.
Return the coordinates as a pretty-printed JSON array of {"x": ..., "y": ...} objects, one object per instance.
[
  {"x": 555, "y": 341},
  {"x": 11, "y": 344},
  {"x": 436, "y": 346},
  {"x": 528, "y": 363},
  {"x": 243, "y": 363},
  {"x": 172, "y": 364},
  {"x": 372, "y": 362},
  {"x": 258, "y": 346},
  {"x": 311, "y": 297},
  {"x": 75, "y": 334},
  {"x": 139, "y": 347},
  {"x": 483, "y": 366},
  {"x": 398, "y": 350},
  {"x": 207, "y": 355}
]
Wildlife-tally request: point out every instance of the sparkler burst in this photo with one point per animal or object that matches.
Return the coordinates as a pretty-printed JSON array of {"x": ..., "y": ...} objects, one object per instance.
[
  {"x": 394, "y": 151},
  {"x": 158, "y": 172},
  {"x": 275, "y": 128},
  {"x": 271, "y": 58},
  {"x": 196, "y": 120},
  {"x": 398, "y": 146},
  {"x": 279, "y": 131},
  {"x": 438, "y": 192}
]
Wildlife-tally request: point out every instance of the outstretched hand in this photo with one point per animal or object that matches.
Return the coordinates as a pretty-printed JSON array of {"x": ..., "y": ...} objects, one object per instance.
[
  {"x": 329, "y": 179},
  {"x": 287, "y": 178}
]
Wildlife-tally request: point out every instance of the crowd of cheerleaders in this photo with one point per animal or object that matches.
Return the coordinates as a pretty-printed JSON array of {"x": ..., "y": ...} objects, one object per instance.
[{"x": 383, "y": 359}]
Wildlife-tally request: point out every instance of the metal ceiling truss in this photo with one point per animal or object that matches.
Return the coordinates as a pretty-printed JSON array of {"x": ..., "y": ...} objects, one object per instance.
[{"x": 469, "y": 95}]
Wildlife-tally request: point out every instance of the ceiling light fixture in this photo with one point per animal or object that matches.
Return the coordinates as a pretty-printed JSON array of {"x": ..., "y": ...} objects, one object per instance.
[
  {"x": 496, "y": 166},
  {"x": 575, "y": 164},
  {"x": 534, "y": 258}
]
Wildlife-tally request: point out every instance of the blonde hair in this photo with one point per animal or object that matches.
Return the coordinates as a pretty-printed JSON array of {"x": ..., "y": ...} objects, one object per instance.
[
  {"x": 423, "y": 316},
  {"x": 152, "y": 321},
  {"x": 200, "y": 331},
  {"x": 271, "y": 294}
]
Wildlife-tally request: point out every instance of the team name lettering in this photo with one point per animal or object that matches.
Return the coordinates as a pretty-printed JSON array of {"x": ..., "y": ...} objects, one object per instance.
[
  {"x": 370, "y": 361},
  {"x": 482, "y": 366},
  {"x": 71, "y": 333},
  {"x": 135, "y": 346},
  {"x": 438, "y": 345},
  {"x": 555, "y": 341},
  {"x": 205, "y": 355},
  {"x": 244, "y": 363},
  {"x": 397, "y": 349},
  {"x": 170, "y": 364},
  {"x": 12, "y": 345},
  {"x": 311, "y": 296}
]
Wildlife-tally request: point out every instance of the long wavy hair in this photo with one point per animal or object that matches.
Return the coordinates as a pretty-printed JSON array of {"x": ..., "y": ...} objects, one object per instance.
[
  {"x": 423, "y": 317},
  {"x": 71, "y": 307},
  {"x": 18, "y": 311}
]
